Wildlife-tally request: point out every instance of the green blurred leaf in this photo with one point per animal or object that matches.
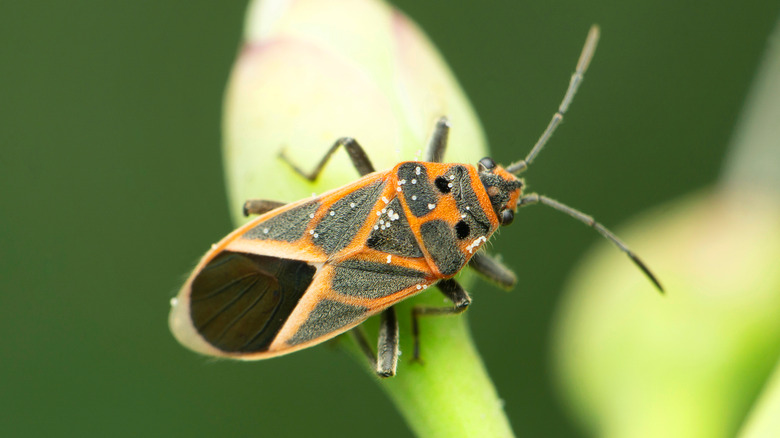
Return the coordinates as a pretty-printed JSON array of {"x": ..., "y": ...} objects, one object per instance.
[{"x": 695, "y": 362}]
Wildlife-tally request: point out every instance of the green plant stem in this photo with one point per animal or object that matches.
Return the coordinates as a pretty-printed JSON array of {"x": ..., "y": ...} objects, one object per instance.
[
  {"x": 448, "y": 393},
  {"x": 764, "y": 419}
]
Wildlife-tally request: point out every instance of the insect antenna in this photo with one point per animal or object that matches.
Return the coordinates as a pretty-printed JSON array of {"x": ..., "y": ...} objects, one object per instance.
[
  {"x": 533, "y": 198},
  {"x": 574, "y": 83}
]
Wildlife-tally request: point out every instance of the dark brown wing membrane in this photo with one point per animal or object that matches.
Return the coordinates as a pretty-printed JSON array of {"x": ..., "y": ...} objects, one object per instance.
[{"x": 239, "y": 301}]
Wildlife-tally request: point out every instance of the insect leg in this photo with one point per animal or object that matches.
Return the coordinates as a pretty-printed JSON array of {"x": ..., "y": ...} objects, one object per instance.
[
  {"x": 362, "y": 340},
  {"x": 533, "y": 198},
  {"x": 356, "y": 154},
  {"x": 455, "y": 293},
  {"x": 386, "y": 359},
  {"x": 260, "y": 206},
  {"x": 387, "y": 344},
  {"x": 434, "y": 153},
  {"x": 493, "y": 270}
]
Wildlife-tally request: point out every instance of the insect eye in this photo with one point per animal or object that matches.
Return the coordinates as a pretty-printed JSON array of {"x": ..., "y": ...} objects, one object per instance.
[
  {"x": 507, "y": 216},
  {"x": 442, "y": 184},
  {"x": 486, "y": 163},
  {"x": 462, "y": 230}
]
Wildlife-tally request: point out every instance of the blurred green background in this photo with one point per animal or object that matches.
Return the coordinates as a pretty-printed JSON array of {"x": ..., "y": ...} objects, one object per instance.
[{"x": 112, "y": 187}]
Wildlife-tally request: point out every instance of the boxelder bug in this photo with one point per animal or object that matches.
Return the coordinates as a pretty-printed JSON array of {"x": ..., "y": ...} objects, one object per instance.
[{"x": 304, "y": 272}]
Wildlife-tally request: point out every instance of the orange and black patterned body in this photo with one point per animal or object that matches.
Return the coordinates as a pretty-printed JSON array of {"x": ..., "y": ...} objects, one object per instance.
[
  {"x": 308, "y": 271},
  {"x": 305, "y": 272}
]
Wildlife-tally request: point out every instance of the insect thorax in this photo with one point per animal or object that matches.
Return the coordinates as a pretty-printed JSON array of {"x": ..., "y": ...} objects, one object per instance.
[{"x": 451, "y": 209}]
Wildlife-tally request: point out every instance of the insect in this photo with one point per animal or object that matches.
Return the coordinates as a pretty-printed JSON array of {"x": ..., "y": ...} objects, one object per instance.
[{"x": 304, "y": 272}]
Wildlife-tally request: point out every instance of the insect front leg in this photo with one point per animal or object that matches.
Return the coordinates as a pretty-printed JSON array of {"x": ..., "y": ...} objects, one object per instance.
[
  {"x": 260, "y": 206},
  {"x": 455, "y": 293},
  {"x": 356, "y": 154},
  {"x": 493, "y": 270},
  {"x": 385, "y": 361}
]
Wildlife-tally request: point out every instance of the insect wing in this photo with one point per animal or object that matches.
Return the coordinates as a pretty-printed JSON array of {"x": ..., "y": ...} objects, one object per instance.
[
  {"x": 344, "y": 294},
  {"x": 234, "y": 300}
]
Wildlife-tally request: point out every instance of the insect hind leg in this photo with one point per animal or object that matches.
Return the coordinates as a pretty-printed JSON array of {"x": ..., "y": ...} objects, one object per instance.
[
  {"x": 387, "y": 344},
  {"x": 356, "y": 154},
  {"x": 455, "y": 293},
  {"x": 385, "y": 361},
  {"x": 434, "y": 153}
]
